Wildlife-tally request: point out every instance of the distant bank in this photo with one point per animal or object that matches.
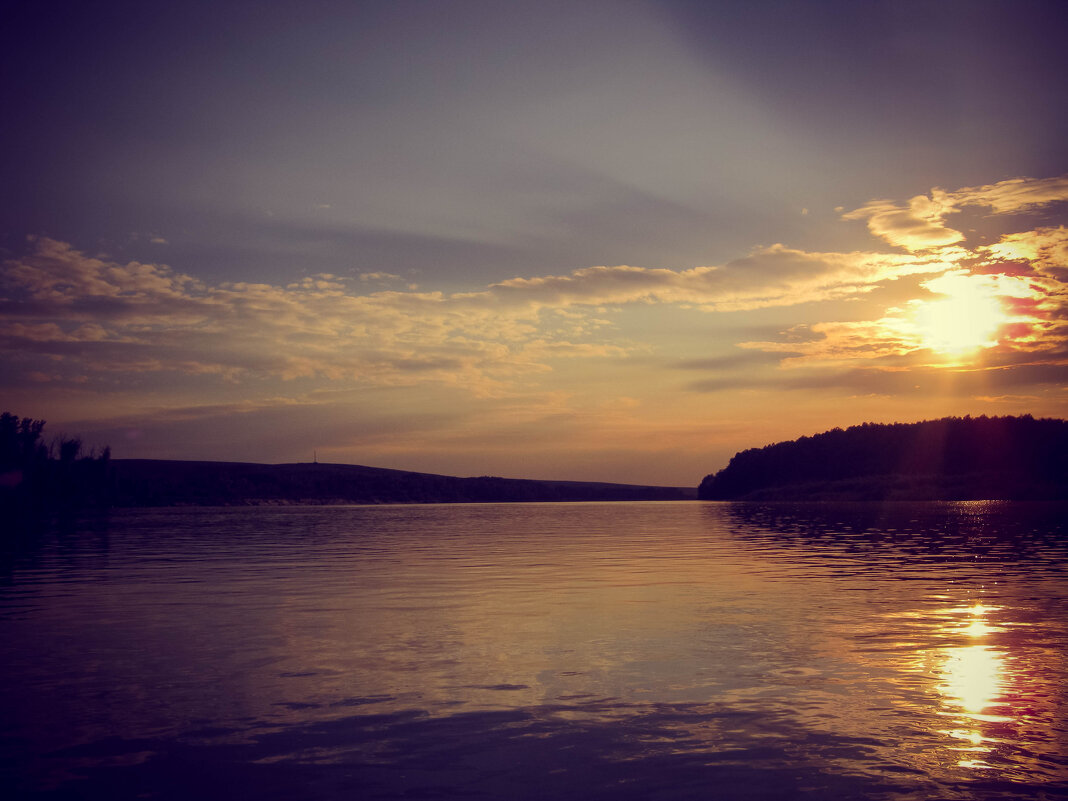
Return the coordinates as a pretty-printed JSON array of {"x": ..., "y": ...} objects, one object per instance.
[
  {"x": 153, "y": 482},
  {"x": 954, "y": 458}
]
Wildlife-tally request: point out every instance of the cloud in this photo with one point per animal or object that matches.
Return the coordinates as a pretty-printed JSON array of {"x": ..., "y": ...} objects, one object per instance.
[
  {"x": 1009, "y": 381},
  {"x": 772, "y": 276},
  {"x": 1015, "y": 194},
  {"x": 1044, "y": 250},
  {"x": 999, "y": 308},
  {"x": 1005, "y": 313},
  {"x": 920, "y": 224},
  {"x": 915, "y": 227},
  {"x": 134, "y": 316},
  {"x": 89, "y": 314},
  {"x": 379, "y": 276},
  {"x": 734, "y": 361}
]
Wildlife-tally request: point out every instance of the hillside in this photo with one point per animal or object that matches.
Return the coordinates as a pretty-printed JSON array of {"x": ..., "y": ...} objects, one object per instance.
[
  {"x": 151, "y": 482},
  {"x": 955, "y": 458}
]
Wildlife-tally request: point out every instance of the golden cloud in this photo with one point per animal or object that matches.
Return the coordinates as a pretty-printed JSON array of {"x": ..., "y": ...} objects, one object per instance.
[
  {"x": 94, "y": 313},
  {"x": 137, "y": 317},
  {"x": 1008, "y": 308},
  {"x": 920, "y": 224}
]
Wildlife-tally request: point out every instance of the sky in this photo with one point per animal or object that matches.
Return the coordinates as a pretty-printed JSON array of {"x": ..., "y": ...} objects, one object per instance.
[{"x": 608, "y": 241}]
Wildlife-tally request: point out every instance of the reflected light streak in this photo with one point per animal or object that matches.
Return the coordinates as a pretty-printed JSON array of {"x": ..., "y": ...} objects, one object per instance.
[
  {"x": 978, "y": 627},
  {"x": 972, "y": 678},
  {"x": 972, "y": 682}
]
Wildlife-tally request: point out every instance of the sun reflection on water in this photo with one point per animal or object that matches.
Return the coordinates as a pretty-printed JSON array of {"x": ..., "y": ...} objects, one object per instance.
[
  {"x": 972, "y": 687},
  {"x": 972, "y": 679}
]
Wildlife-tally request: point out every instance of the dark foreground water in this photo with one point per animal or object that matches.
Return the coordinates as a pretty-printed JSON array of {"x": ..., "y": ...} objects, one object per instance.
[{"x": 624, "y": 651}]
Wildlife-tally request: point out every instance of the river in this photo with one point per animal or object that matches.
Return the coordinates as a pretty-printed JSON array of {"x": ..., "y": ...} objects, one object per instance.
[{"x": 668, "y": 650}]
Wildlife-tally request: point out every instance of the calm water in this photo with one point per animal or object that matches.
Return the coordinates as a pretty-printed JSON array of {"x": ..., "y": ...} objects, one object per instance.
[{"x": 649, "y": 650}]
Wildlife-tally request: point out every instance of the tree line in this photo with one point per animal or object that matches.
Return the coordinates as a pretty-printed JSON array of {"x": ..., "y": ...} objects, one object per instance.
[
  {"x": 39, "y": 476},
  {"x": 951, "y": 458}
]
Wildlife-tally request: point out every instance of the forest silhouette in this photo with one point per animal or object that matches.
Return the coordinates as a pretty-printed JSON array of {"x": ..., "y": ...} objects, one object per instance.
[
  {"x": 954, "y": 458},
  {"x": 40, "y": 476}
]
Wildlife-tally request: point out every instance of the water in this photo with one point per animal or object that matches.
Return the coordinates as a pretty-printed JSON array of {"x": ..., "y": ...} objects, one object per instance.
[{"x": 633, "y": 650}]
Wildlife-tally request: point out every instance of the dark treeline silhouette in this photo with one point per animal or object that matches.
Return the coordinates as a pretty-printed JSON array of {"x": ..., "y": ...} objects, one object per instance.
[
  {"x": 43, "y": 477},
  {"x": 150, "y": 482},
  {"x": 955, "y": 458}
]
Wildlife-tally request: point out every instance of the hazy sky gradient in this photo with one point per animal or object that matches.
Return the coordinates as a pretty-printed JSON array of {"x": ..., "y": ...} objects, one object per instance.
[{"x": 612, "y": 241}]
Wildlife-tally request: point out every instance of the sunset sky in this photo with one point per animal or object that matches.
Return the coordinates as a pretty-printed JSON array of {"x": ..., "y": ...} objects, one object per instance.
[{"x": 591, "y": 240}]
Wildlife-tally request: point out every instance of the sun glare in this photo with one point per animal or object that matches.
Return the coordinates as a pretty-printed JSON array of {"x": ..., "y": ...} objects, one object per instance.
[{"x": 966, "y": 321}]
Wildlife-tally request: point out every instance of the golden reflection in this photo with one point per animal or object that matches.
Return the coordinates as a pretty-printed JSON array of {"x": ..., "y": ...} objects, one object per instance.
[
  {"x": 972, "y": 685},
  {"x": 972, "y": 678}
]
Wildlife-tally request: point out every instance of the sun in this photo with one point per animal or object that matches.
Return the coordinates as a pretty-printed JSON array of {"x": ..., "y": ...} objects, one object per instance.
[{"x": 967, "y": 320}]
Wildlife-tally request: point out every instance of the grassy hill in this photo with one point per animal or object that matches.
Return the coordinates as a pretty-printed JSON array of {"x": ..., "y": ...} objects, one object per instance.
[{"x": 152, "y": 482}]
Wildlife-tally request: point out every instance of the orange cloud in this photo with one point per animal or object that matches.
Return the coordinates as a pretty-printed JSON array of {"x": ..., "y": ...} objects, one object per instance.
[
  {"x": 920, "y": 224},
  {"x": 1019, "y": 316},
  {"x": 915, "y": 227},
  {"x": 138, "y": 317},
  {"x": 94, "y": 314}
]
